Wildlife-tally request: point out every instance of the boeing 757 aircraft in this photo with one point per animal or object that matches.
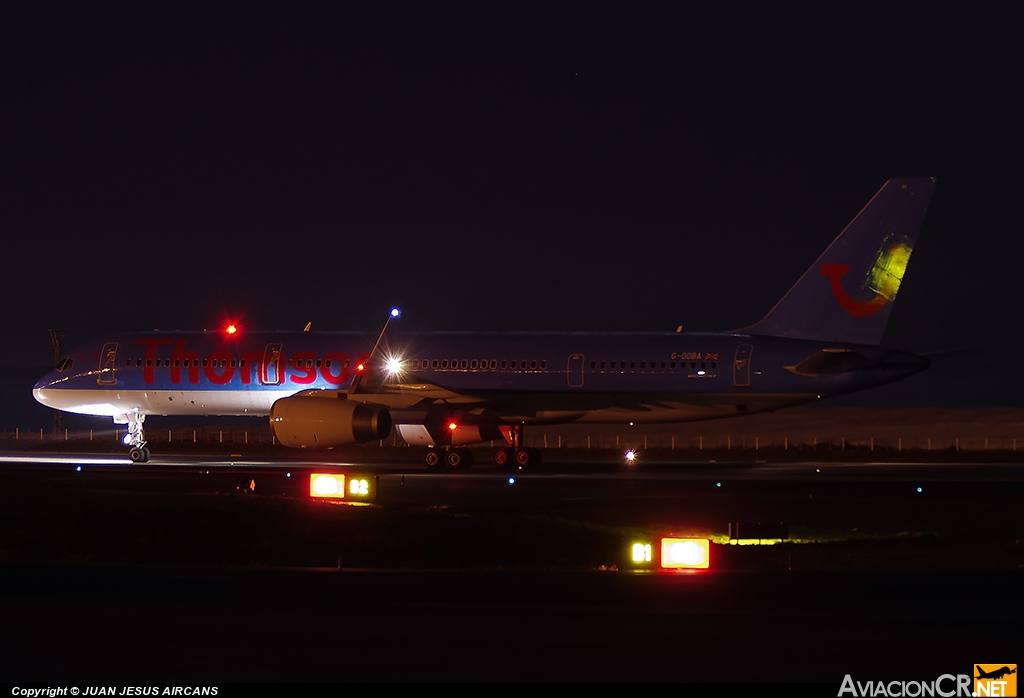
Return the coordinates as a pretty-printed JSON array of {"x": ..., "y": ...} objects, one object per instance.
[{"x": 451, "y": 390}]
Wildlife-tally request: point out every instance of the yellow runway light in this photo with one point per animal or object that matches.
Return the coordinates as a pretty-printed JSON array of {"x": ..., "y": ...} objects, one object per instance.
[
  {"x": 641, "y": 553},
  {"x": 685, "y": 553},
  {"x": 330, "y": 485}
]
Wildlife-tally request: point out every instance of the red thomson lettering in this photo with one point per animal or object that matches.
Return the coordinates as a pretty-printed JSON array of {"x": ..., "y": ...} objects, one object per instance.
[
  {"x": 151, "y": 344},
  {"x": 189, "y": 359},
  {"x": 210, "y": 369},
  {"x": 304, "y": 365},
  {"x": 339, "y": 360},
  {"x": 251, "y": 360}
]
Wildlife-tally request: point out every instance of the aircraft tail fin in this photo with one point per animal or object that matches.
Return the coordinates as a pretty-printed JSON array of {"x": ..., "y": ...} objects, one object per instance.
[{"x": 847, "y": 294}]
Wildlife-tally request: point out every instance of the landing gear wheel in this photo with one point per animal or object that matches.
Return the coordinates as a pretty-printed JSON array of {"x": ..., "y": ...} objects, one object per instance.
[
  {"x": 502, "y": 457},
  {"x": 458, "y": 458},
  {"x": 432, "y": 459},
  {"x": 139, "y": 455},
  {"x": 523, "y": 457},
  {"x": 145, "y": 454}
]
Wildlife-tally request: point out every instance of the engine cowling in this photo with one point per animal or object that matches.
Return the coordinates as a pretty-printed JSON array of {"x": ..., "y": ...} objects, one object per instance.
[{"x": 311, "y": 421}]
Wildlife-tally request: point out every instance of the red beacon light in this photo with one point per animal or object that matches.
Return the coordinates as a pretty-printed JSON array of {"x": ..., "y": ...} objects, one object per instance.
[
  {"x": 452, "y": 426},
  {"x": 231, "y": 329}
]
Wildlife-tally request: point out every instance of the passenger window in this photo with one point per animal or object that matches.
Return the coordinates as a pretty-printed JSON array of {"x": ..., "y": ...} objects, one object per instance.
[
  {"x": 433, "y": 364},
  {"x": 504, "y": 364},
  {"x": 444, "y": 363},
  {"x": 714, "y": 364},
  {"x": 472, "y": 364},
  {"x": 673, "y": 365},
  {"x": 544, "y": 364},
  {"x": 494, "y": 364},
  {"x": 533, "y": 364},
  {"x": 632, "y": 365},
  {"x": 465, "y": 363}
]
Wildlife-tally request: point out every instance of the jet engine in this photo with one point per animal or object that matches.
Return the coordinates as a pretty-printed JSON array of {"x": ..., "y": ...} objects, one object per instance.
[{"x": 317, "y": 421}]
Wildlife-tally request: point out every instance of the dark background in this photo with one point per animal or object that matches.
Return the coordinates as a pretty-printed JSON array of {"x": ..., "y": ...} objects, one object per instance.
[{"x": 580, "y": 167}]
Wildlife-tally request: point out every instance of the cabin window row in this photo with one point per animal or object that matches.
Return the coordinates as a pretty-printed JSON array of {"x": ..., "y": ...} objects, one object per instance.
[
  {"x": 645, "y": 365},
  {"x": 477, "y": 365}
]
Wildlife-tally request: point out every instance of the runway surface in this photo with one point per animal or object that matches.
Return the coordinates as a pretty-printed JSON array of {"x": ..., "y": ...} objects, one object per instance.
[{"x": 203, "y": 569}]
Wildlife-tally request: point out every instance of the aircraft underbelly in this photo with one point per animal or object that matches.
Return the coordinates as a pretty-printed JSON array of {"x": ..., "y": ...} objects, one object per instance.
[
  {"x": 110, "y": 403},
  {"x": 669, "y": 411}
]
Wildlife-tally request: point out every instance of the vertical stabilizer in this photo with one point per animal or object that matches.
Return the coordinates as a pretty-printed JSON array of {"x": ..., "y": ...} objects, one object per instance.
[{"x": 847, "y": 294}]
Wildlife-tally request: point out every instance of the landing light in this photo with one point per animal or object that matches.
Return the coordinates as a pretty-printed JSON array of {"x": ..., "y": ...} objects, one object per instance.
[
  {"x": 127, "y": 439},
  {"x": 394, "y": 365},
  {"x": 685, "y": 553},
  {"x": 630, "y": 456}
]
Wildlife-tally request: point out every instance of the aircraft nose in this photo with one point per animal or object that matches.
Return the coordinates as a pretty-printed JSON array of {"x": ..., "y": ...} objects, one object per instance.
[{"x": 43, "y": 389}]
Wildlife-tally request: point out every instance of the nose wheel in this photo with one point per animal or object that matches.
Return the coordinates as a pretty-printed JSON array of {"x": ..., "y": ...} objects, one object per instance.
[{"x": 139, "y": 455}]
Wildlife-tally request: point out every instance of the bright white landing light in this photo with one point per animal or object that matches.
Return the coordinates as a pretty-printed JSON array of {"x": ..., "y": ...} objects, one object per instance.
[
  {"x": 630, "y": 456},
  {"x": 394, "y": 365}
]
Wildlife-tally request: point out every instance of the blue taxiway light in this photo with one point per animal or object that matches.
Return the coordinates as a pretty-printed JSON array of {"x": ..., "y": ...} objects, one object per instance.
[{"x": 511, "y": 481}]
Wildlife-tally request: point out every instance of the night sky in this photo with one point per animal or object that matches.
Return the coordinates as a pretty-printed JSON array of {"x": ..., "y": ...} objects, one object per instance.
[{"x": 580, "y": 167}]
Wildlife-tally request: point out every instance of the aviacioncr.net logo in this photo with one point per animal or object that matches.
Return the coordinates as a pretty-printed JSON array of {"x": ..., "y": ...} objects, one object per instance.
[
  {"x": 945, "y": 686},
  {"x": 995, "y": 680}
]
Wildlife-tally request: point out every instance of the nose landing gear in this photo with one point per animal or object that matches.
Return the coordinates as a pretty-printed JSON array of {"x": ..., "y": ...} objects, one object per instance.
[{"x": 135, "y": 437}]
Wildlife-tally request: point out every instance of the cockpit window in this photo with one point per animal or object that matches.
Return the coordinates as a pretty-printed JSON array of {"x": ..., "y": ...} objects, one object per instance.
[{"x": 65, "y": 364}]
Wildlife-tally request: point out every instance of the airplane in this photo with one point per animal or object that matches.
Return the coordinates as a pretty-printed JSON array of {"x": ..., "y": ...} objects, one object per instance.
[
  {"x": 449, "y": 390},
  {"x": 995, "y": 673}
]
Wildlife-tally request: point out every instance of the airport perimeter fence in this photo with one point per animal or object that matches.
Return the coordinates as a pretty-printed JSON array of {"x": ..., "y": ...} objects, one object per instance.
[{"x": 548, "y": 440}]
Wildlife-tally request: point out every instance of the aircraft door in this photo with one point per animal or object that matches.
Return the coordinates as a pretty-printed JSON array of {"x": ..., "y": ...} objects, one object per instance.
[
  {"x": 272, "y": 371},
  {"x": 575, "y": 370},
  {"x": 108, "y": 357},
  {"x": 741, "y": 365}
]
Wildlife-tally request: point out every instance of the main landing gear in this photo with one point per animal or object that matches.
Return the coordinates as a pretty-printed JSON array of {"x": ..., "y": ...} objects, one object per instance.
[
  {"x": 521, "y": 457},
  {"x": 454, "y": 458},
  {"x": 518, "y": 456},
  {"x": 135, "y": 438}
]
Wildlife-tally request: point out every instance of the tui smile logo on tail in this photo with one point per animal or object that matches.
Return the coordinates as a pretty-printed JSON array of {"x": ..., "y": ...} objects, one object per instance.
[{"x": 883, "y": 278}]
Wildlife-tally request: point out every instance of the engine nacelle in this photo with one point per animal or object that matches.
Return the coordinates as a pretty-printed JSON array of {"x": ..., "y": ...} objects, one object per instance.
[{"x": 313, "y": 421}]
